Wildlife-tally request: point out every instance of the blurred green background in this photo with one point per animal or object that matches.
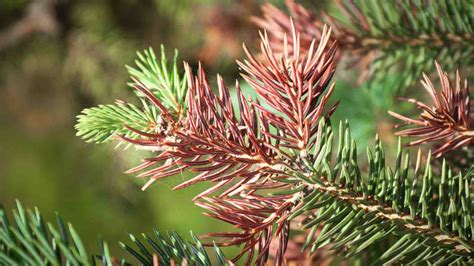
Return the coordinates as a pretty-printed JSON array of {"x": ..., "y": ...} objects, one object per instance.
[{"x": 60, "y": 56}]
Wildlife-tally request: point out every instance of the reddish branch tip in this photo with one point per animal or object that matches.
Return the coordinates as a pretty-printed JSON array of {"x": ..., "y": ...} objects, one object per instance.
[
  {"x": 447, "y": 123},
  {"x": 295, "y": 87},
  {"x": 241, "y": 149}
]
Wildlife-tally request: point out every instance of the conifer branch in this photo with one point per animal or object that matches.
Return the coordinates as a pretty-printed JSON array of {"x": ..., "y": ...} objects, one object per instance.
[
  {"x": 30, "y": 240},
  {"x": 107, "y": 122},
  {"x": 171, "y": 250},
  {"x": 294, "y": 87},
  {"x": 380, "y": 36},
  {"x": 448, "y": 122},
  {"x": 270, "y": 165},
  {"x": 357, "y": 210},
  {"x": 162, "y": 78},
  {"x": 103, "y": 123},
  {"x": 238, "y": 151}
]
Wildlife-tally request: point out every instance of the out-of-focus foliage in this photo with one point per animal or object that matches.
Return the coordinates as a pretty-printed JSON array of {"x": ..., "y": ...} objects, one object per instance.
[
  {"x": 411, "y": 34},
  {"x": 96, "y": 49},
  {"x": 173, "y": 248},
  {"x": 47, "y": 77},
  {"x": 162, "y": 78},
  {"x": 28, "y": 239}
]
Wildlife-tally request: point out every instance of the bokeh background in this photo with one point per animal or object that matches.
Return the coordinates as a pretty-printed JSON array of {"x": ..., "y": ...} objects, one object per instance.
[{"x": 60, "y": 56}]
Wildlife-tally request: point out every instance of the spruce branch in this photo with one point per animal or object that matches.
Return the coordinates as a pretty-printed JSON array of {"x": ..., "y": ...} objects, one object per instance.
[
  {"x": 267, "y": 166},
  {"x": 381, "y": 36},
  {"x": 30, "y": 240},
  {"x": 208, "y": 141},
  {"x": 433, "y": 222},
  {"x": 171, "y": 249},
  {"x": 102, "y": 123},
  {"x": 242, "y": 151},
  {"x": 224, "y": 148},
  {"x": 162, "y": 78},
  {"x": 106, "y": 122},
  {"x": 294, "y": 87},
  {"x": 448, "y": 122}
]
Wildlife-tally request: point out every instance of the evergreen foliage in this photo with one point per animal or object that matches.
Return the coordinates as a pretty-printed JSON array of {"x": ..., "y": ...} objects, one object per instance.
[
  {"x": 30, "y": 240},
  {"x": 410, "y": 35},
  {"x": 424, "y": 217},
  {"x": 400, "y": 37},
  {"x": 100, "y": 124},
  {"x": 272, "y": 163},
  {"x": 161, "y": 78},
  {"x": 433, "y": 222},
  {"x": 173, "y": 249}
]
